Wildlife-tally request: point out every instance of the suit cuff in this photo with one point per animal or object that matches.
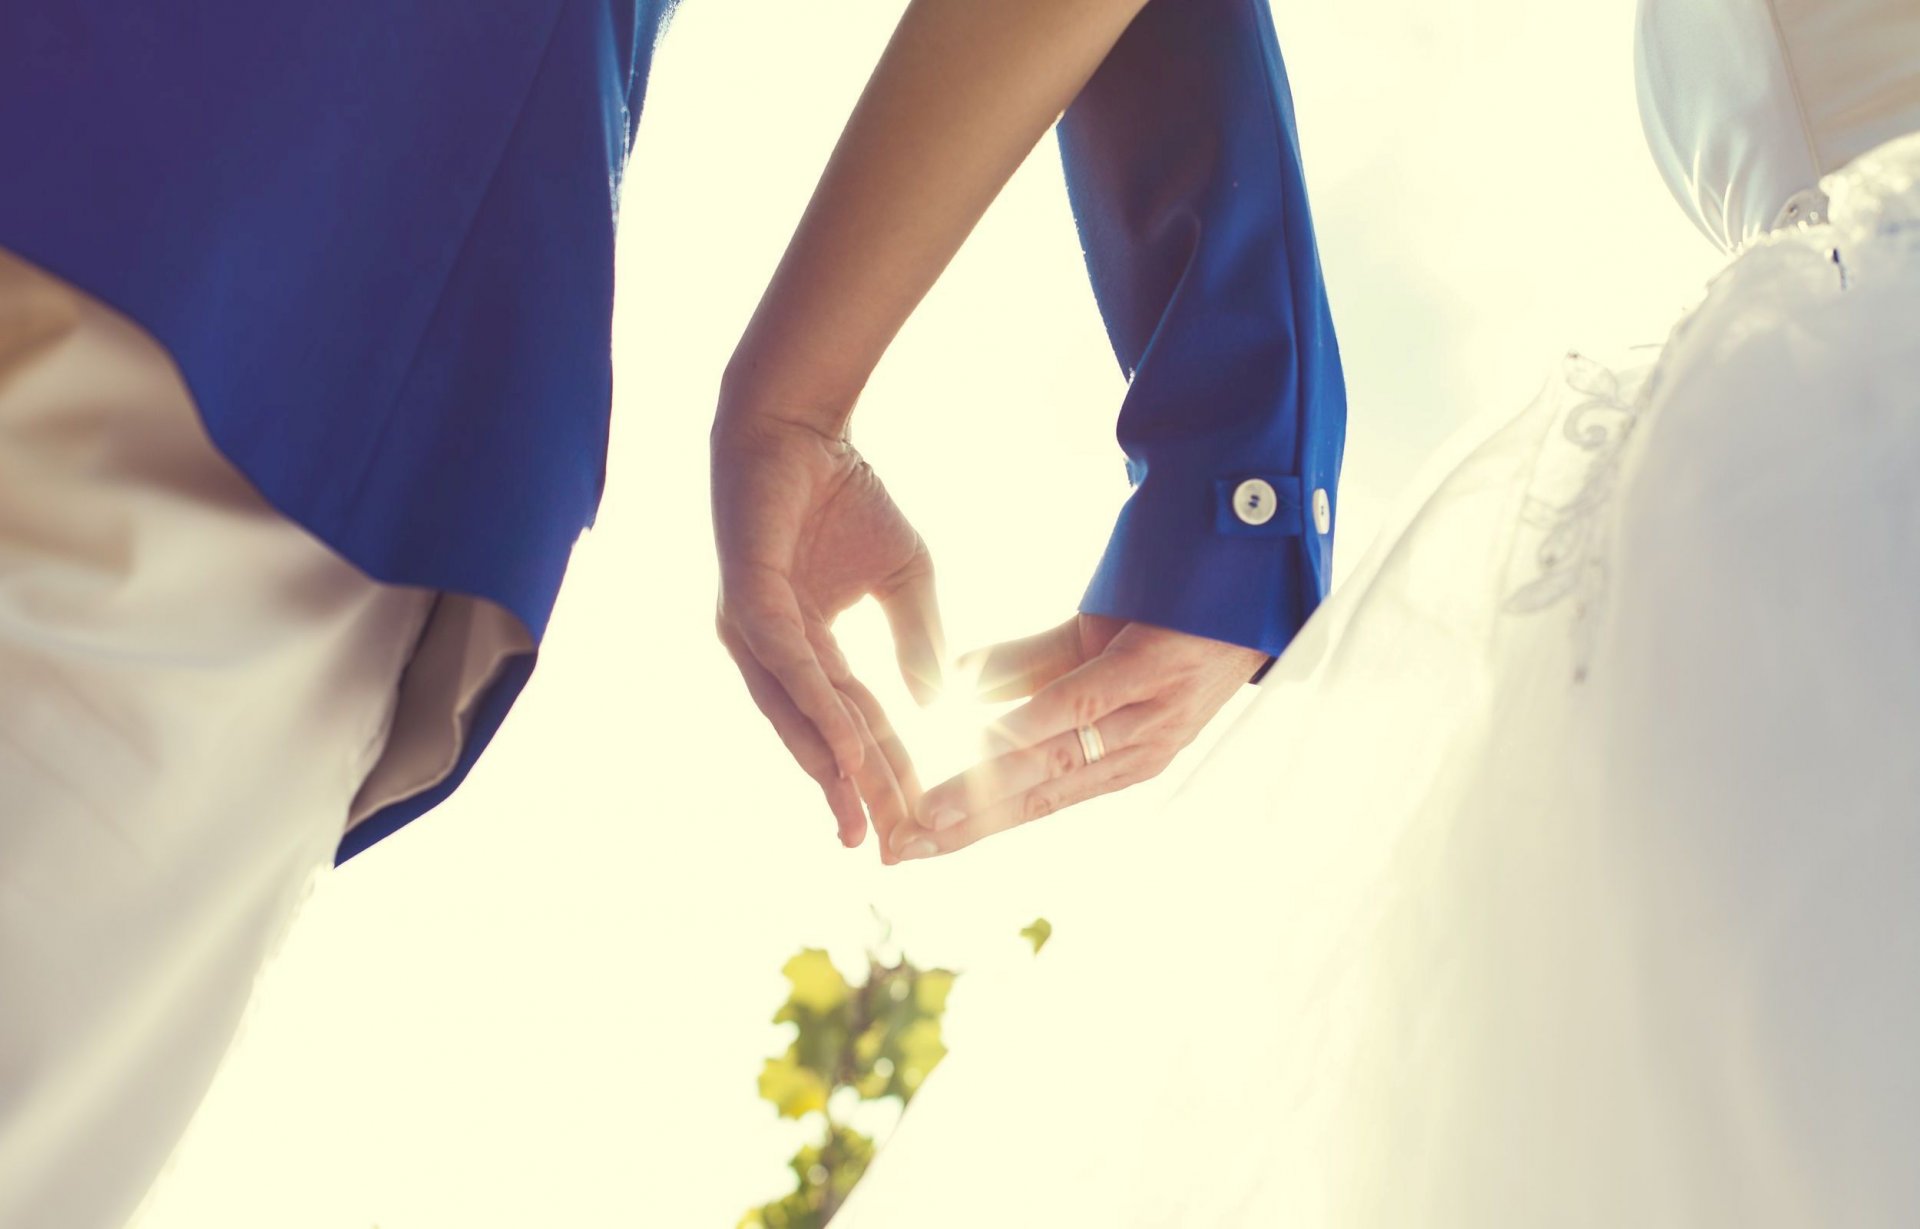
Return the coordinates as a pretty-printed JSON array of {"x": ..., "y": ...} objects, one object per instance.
[{"x": 1220, "y": 555}]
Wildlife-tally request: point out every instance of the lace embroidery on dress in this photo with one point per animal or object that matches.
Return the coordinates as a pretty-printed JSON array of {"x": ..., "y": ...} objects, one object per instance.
[
  {"x": 1570, "y": 556},
  {"x": 1870, "y": 203}
]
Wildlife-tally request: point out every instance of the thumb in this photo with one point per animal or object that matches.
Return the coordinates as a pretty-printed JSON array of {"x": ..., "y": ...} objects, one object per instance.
[
  {"x": 913, "y": 613},
  {"x": 1017, "y": 668}
]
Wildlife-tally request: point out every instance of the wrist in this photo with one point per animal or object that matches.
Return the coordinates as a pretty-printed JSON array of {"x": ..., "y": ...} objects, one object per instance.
[
  {"x": 764, "y": 385},
  {"x": 755, "y": 424}
]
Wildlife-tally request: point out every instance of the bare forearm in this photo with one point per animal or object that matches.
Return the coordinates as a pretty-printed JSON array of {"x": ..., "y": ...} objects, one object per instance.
[{"x": 963, "y": 92}]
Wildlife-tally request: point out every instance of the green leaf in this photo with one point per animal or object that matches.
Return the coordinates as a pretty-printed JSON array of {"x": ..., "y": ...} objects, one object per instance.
[
  {"x": 930, "y": 990},
  {"x": 920, "y": 1052},
  {"x": 817, "y": 985},
  {"x": 794, "y": 1090},
  {"x": 881, "y": 1039},
  {"x": 824, "y": 1175},
  {"x": 821, "y": 1044},
  {"x": 869, "y": 1044},
  {"x": 1037, "y": 933}
]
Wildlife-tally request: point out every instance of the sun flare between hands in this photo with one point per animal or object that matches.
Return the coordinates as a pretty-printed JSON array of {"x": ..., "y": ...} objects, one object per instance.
[{"x": 950, "y": 734}]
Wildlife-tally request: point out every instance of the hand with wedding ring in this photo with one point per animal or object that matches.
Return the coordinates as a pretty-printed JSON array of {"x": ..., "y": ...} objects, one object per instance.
[{"x": 1112, "y": 703}]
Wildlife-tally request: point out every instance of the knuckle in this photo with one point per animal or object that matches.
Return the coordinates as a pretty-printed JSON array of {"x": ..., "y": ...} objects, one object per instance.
[
  {"x": 1061, "y": 760},
  {"x": 1038, "y": 805},
  {"x": 748, "y": 608},
  {"x": 1086, "y": 707},
  {"x": 727, "y": 631}
]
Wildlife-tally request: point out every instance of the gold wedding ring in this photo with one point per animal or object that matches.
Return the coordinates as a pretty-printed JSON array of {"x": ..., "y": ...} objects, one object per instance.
[{"x": 1093, "y": 748}]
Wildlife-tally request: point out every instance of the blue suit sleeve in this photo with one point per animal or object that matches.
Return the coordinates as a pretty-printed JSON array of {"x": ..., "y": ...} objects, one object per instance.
[{"x": 1183, "y": 169}]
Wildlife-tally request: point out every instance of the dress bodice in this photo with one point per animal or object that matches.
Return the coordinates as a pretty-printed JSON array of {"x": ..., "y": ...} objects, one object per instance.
[{"x": 1749, "y": 103}]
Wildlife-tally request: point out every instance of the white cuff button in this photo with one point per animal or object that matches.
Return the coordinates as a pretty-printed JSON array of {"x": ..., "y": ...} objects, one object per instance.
[
  {"x": 1255, "y": 502},
  {"x": 1322, "y": 510}
]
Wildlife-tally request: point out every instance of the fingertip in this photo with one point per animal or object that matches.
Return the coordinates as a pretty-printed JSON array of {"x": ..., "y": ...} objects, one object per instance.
[
  {"x": 902, "y": 835},
  {"x": 916, "y": 847},
  {"x": 968, "y": 668},
  {"x": 925, "y": 691},
  {"x": 850, "y": 818},
  {"x": 941, "y": 818}
]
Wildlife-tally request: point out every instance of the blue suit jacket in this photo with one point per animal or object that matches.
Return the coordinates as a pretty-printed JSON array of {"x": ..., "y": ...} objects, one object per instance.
[{"x": 378, "y": 241}]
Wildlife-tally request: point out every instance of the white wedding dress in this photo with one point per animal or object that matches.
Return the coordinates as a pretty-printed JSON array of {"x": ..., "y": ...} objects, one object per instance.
[{"x": 1567, "y": 870}]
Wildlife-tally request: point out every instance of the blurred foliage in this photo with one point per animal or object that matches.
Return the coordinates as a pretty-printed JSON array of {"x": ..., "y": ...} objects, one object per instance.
[
  {"x": 1038, "y": 933},
  {"x": 878, "y": 1039}
]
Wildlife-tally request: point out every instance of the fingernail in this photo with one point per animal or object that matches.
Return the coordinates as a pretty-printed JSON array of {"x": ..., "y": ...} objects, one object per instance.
[
  {"x": 918, "y": 847},
  {"x": 944, "y": 818}
]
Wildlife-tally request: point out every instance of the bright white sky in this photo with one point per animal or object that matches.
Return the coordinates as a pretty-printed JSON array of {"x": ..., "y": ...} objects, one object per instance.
[{"x": 547, "y": 1003}]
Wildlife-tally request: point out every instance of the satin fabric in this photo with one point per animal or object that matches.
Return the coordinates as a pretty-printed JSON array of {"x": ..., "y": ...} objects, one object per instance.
[{"x": 1749, "y": 102}]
